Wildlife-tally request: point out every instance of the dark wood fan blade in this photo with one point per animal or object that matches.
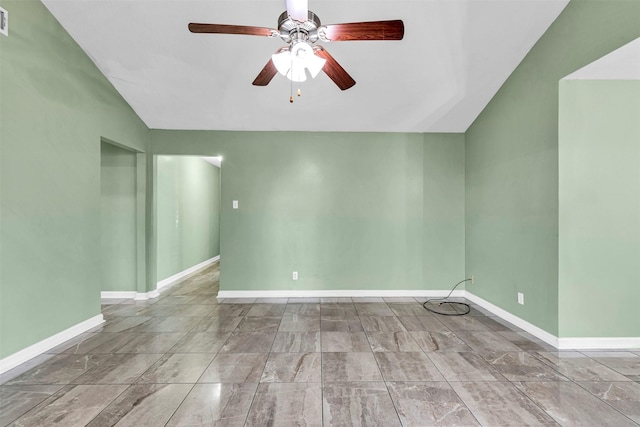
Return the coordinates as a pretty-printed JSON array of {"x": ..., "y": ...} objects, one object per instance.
[
  {"x": 375, "y": 30},
  {"x": 266, "y": 75},
  {"x": 230, "y": 29},
  {"x": 334, "y": 70}
]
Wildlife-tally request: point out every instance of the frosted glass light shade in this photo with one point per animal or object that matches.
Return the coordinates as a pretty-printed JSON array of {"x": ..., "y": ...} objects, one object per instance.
[{"x": 293, "y": 62}]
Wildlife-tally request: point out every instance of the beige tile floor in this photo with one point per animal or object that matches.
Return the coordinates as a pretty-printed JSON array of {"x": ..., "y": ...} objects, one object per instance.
[{"x": 187, "y": 359}]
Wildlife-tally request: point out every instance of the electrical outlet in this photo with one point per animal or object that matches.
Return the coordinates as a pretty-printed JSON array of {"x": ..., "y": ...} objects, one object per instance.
[
  {"x": 295, "y": 275},
  {"x": 471, "y": 277},
  {"x": 520, "y": 298},
  {"x": 4, "y": 22}
]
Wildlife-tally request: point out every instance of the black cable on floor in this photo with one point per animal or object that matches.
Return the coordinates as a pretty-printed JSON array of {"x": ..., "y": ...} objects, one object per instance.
[{"x": 432, "y": 307}]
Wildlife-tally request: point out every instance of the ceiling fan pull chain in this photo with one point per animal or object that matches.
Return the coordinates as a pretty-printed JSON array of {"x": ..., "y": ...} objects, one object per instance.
[{"x": 291, "y": 83}]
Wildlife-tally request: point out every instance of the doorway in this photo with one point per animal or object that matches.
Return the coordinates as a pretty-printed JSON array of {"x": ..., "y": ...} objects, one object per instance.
[
  {"x": 118, "y": 272},
  {"x": 187, "y": 195}
]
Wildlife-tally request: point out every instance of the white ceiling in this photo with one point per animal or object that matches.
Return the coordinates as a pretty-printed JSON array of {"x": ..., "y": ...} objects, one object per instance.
[
  {"x": 454, "y": 57},
  {"x": 621, "y": 64},
  {"x": 215, "y": 161}
]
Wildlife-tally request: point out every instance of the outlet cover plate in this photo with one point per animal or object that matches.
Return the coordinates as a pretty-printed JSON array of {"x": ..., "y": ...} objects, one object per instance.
[{"x": 4, "y": 22}]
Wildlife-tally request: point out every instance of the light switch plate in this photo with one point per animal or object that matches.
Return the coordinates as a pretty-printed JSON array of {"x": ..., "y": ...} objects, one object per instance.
[{"x": 235, "y": 204}]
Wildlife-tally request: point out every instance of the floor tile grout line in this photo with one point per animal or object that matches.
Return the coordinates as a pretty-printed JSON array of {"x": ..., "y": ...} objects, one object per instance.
[
  {"x": 11, "y": 423},
  {"x": 536, "y": 356},
  {"x": 533, "y": 401},
  {"x": 110, "y": 403},
  {"x": 462, "y": 400},
  {"x": 73, "y": 386},
  {"x": 448, "y": 382},
  {"x": 180, "y": 404},
  {"x": 198, "y": 379},
  {"x": 135, "y": 382},
  {"x": 384, "y": 380},
  {"x": 253, "y": 398},
  {"x": 603, "y": 364},
  {"x": 193, "y": 301},
  {"x": 577, "y": 383}
]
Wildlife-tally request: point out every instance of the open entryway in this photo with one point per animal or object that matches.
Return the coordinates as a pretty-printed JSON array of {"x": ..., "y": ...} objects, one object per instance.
[
  {"x": 187, "y": 198},
  {"x": 118, "y": 219}
]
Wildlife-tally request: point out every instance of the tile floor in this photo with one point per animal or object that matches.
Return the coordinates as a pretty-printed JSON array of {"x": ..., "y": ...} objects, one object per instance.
[{"x": 186, "y": 358}]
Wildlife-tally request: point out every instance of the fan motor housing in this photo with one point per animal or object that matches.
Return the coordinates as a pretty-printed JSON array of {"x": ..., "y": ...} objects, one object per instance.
[{"x": 291, "y": 30}]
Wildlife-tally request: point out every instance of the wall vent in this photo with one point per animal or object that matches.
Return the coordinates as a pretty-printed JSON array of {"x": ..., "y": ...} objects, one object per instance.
[{"x": 4, "y": 22}]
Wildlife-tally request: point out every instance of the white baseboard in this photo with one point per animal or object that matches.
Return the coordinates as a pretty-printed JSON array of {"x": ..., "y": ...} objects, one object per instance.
[
  {"x": 577, "y": 343},
  {"x": 181, "y": 275},
  {"x": 559, "y": 343},
  {"x": 169, "y": 281},
  {"x": 138, "y": 296},
  {"x": 117, "y": 294},
  {"x": 142, "y": 296},
  {"x": 568, "y": 343},
  {"x": 338, "y": 294},
  {"x": 511, "y": 318},
  {"x": 46, "y": 344},
  {"x": 594, "y": 343}
]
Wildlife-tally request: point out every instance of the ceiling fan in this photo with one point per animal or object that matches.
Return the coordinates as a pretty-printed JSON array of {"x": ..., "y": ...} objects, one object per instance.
[{"x": 300, "y": 28}]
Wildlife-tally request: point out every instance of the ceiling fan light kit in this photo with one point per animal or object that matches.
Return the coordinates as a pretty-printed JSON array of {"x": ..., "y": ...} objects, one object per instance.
[
  {"x": 292, "y": 62},
  {"x": 300, "y": 28}
]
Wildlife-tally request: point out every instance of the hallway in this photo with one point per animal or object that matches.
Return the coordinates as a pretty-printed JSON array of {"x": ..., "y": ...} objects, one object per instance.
[{"x": 186, "y": 358}]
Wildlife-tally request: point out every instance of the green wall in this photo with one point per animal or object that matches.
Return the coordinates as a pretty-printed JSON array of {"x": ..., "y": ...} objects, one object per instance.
[
  {"x": 55, "y": 108},
  {"x": 118, "y": 218},
  {"x": 443, "y": 210},
  {"x": 599, "y": 157},
  {"x": 344, "y": 210},
  {"x": 512, "y": 163},
  {"x": 188, "y": 213}
]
